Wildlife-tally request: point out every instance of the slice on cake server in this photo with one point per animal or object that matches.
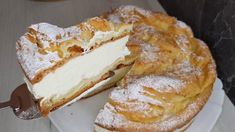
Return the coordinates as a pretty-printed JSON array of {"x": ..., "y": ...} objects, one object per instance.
[{"x": 61, "y": 64}]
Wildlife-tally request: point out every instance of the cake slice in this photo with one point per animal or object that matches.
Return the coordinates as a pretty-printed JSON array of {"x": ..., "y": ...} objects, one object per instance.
[{"x": 61, "y": 64}]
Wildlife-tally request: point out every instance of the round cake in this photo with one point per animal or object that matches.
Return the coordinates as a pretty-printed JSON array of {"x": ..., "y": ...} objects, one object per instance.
[{"x": 170, "y": 81}]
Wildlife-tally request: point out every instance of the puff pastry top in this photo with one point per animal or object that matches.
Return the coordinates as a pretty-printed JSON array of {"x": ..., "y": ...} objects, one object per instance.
[{"x": 46, "y": 47}]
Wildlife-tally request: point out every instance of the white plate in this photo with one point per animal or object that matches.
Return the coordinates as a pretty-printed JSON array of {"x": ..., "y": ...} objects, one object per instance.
[{"x": 80, "y": 115}]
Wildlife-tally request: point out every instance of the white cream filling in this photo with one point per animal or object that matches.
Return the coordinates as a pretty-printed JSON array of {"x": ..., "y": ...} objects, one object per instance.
[
  {"x": 101, "y": 36},
  {"x": 74, "y": 72}
]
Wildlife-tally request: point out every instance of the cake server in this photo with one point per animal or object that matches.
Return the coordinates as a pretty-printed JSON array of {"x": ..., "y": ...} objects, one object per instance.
[{"x": 22, "y": 103}]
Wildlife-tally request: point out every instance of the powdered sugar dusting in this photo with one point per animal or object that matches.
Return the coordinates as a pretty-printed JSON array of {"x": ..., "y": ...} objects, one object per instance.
[
  {"x": 181, "y": 24},
  {"x": 202, "y": 43},
  {"x": 47, "y": 33},
  {"x": 131, "y": 8},
  {"x": 31, "y": 60},
  {"x": 109, "y": 118},
  {"x": 133, "y": 92},
  {"x": 145, "y": 29},
  {"x": 185, "y": 68},
  {"x": 135, "y": 89},
  {"x": 183, "y": 43},
  {"x": 128, "y": 13},
  {"x": 139, "y": 107},
  {"x": 149, "y": 52},
  {"x": 161, "y": 83},
  {"x": 39, "y": 48},
  {"x": 115, "y": 18}
]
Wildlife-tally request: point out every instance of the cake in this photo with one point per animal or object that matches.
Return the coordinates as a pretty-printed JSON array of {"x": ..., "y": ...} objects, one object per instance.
[
  {"x": 169, "y": 82},
  {"x": 61, "y": 65},
  {"x": 161, "y": 75}
]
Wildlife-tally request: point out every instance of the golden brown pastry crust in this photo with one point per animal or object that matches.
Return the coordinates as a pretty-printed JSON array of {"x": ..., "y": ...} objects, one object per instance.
[{"x": 170, "y": 81}]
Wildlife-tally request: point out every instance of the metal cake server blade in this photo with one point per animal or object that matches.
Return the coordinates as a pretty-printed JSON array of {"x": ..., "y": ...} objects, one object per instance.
[{"x": 22, "y": 103}]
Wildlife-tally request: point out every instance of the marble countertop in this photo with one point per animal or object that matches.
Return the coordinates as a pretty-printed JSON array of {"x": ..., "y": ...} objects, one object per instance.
[{"x": 16, "y": 15}]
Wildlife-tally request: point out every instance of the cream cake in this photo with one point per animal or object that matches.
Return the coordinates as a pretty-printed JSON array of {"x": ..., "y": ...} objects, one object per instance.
[
  {"x": 169, "y": 82},
  {"x": 166, "y": 73},
  {"x": 60, "y": 64}
]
